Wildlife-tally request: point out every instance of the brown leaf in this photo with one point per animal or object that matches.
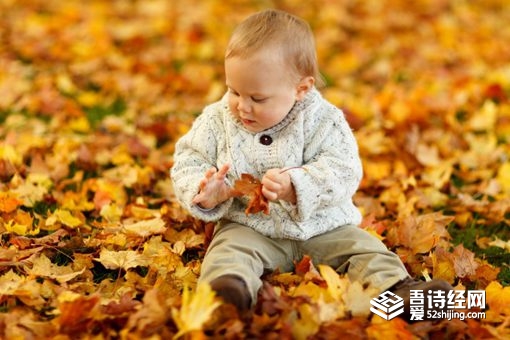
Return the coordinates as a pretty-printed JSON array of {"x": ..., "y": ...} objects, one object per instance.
[
  {"x": 251, "y": 186},
  {"x": 342, "y": 329},
  {"x": 485, "y": 274},
  {"x": 424, "y": 232},
  {"x": 76, "y": 316},
  {"x": 464, "y": 261},
  {"x": 125, "y": 306}
]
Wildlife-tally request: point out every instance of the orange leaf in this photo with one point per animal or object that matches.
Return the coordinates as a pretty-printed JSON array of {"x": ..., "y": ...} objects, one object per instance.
[
  {"x": 307, "y": 270},
  {"x": 251, "y": 186},
  {"x": 8, "y": 202},
  {"x": 76, "y": 316}
]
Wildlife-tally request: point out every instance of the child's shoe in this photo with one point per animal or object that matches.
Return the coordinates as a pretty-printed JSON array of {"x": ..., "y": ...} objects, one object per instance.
[
  {"x": 404, "y": 287},
  {"x": 233, "y": 290}
]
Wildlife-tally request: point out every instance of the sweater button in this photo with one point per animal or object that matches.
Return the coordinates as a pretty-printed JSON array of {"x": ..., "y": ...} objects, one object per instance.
[{"x": 266, "y": 140}]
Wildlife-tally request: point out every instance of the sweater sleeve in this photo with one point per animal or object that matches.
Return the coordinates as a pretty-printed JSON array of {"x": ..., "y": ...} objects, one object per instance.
[
  {"x": 332, "y": 167},
  {"x": 195, "y": 152}
]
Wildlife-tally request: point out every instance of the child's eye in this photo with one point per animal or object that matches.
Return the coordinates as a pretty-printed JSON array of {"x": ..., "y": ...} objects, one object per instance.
[
  {"x": 258, "y": 100},
  {"x": 234, "y": 93}
]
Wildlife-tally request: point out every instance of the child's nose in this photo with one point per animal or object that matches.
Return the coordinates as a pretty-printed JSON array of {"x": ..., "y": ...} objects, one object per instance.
[{"x": 243, "y": 105}]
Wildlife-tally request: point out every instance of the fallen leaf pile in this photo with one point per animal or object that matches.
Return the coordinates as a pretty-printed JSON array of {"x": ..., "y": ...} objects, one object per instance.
[{"x": 94, "y": 94}]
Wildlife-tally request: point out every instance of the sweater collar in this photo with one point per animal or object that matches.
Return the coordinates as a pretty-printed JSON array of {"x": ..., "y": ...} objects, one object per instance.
[{"x": 306, "y": 104}]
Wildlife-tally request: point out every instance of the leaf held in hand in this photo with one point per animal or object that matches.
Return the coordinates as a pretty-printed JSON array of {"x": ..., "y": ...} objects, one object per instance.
[{"x": 251, "y": 186}]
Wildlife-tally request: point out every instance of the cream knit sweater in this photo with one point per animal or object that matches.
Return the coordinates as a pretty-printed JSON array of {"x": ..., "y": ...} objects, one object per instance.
[{"x": 314, "y": 135}]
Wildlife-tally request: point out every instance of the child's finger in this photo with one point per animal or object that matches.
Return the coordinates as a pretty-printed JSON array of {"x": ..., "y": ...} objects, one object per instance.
[
  {"x": 270, "y": 195},
  {"x": 210, "y": 172},
  {"x": 202, "y": 184},
  {"x": 222, "y": 172}
]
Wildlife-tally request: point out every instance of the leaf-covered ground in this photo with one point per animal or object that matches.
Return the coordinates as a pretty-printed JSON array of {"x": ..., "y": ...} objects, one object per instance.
[{"x": 94, "y": 94}]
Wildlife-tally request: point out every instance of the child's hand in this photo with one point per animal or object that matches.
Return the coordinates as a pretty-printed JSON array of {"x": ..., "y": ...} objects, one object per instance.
[
  {"x": 276, "y": 185},
  {"x": 213, "y": 189}
]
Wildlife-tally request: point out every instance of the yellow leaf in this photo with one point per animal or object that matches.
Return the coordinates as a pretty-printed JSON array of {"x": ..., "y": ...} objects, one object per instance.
[
  {"x": 428, "y": 155},
  {"x": 503, "y": 177},
  {"x": 21, "y": 228},
  {"x": 65, "y": 83},
  {"x": 42, "y": 266},
  {"x": 33, "y": 189},
  {"x": 438, "y": 175},
  {"x": 118, "y": 239},
  {"x": 89, "y": 98},
  {"x": 68, "y": 296},
  {"x": 336, "y": 285},
  {"x": 111, "y": 212},
  {"x": 64, "y": 217},
  {"x": 357, "y": 299},
  {"x": 500, "y": 244},
  {"x": 162, "y": 258},
  {"x": 147, "y": 227},
  {"x": 308, "y": 323},
  {"x": 196, "y": 309},
  {"x": 80, "y": 124},
  {"x": 443, "y": 265},
  {"x": 8, "y": 153},
  {"x": 485, "y": 118},
  {"x": 498, "y": 301},
  {"x": 311, "y": 290},
  {"x": 124, "y": 259},
  {"x": 23, "y": 288}
]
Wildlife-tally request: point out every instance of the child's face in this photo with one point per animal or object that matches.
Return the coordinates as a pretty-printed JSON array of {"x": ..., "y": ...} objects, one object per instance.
[{"x": 262, "y": 90}]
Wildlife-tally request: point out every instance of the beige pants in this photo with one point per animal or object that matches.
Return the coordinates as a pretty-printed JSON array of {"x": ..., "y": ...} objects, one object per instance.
[{"x": 240, "y": 250}]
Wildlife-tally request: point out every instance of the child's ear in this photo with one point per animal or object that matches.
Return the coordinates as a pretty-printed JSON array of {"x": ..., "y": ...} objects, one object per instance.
[{"x": 304, "y": 86}]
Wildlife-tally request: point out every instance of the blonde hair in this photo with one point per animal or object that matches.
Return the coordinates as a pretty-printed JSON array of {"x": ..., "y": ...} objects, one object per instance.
[{"x": 277, "y": 29}]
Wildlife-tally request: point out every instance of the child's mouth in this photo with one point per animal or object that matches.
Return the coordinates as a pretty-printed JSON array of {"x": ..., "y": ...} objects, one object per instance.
[{"x": 247, "y": 121}]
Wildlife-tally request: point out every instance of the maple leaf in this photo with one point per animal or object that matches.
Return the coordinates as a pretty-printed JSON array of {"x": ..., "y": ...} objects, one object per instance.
[
  {"x": 464, "y": 261},
  {"x": 76, "y": 315},
  {"x": 26, "y": 290},
  {"x": 42, "y": 266},
  {"x": 124, "y": 306},
  {"x": 9, "y": 202},
  {"x": 186, "y": 237},
  {"x": 22, "y": 224},
  {"x": 335, "y": 285},
  {"x": 196, "y": 309},
  {"x": 443, "y": 265},
  {"x": 503, "y": 176},
  {"x": 162, "y": 258},
  {"x": 33, "y": 189},
  {"x": 498, "y": 300},
  {"x": 21, "y": 323},
  {"x": 307, "y": 324},
  {"x": 424, "y": 232},
  {"x": 150, "y": 317},
  {"x": 381, "y": 329},
  {"x": 307, "y": 270},
  {"x": 65, "y": 217},
  {"x": 500, "y": 243},
  {"x": 146, "y": 228},
  {"x": 124, "y": 259},
  {"x": 357, "y": 299},
  {"x": 251, "y": 186}
]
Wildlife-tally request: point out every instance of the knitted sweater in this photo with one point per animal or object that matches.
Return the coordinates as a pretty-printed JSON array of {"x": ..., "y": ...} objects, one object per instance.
[{"x": 314, "y": 135}]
